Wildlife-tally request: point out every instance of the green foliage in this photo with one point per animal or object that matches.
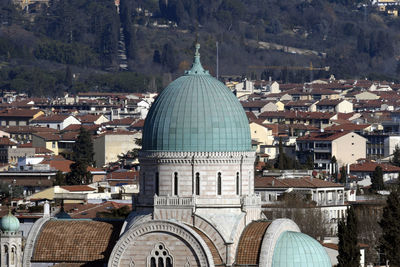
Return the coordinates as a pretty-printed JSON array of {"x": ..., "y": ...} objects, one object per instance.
[
  {"x": 60, "y": 179},
  {"x": 377, "y": 179},
  {"x": 10, "y": 190},
  {"x": 120, "y": 213},
  {"x": 83, "y": 157},
  {"x": 343, "y": 175},
  {"x": 396, "y": 156},
  {"x": 73, "y": 54},
  {"x": 349, "y": 251},
  {"x": 390, "y": 224}
]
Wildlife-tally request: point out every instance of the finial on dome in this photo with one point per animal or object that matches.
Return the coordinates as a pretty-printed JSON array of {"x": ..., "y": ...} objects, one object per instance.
[
  {"x": 197, "y": 54},
  {"x": 197, "y": 68}
]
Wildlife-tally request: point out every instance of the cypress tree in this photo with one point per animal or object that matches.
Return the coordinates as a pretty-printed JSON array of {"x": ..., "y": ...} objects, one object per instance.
[
  {"x": 377, "y": 179},
  {"x": 396, "y": 152},
  {"x": 83, "y": 157},
  {"x": 343, "y": 174},
  {"x": 349, "y": 252},
  {"x": 390, "y": 224}
]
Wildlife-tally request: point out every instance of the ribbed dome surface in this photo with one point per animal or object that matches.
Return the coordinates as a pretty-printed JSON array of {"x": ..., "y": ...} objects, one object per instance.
[
  {"x": 9, "y": 223},
  {"x": 295, "y": 249},
  {"x": 196, "y": 113}
]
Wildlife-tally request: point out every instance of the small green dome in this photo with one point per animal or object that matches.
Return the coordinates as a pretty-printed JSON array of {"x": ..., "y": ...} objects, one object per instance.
[
  {"x": 9, "y": 223},
  {"x": 295, "y": 249},
  {"x": 196, "y": 113}
]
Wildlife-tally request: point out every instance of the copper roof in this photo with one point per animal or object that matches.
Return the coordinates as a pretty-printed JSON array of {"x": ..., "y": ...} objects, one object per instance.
[
  {"x": 214, "y": 252},
  {"x": 76, "y": 241},
  {"x": 249, "y": 247}
]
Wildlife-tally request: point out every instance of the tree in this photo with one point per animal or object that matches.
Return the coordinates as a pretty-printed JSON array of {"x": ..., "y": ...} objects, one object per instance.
[
  {"x": 396, "y": 156},
  {"x": 83, "y": 157},
  {"x": 349, "y": 252},
  {"x": 335, "y": 173},
  {"x": 60, "y": 179},
  {"x": 343, "y": 175},
  {"x": 120, "y": 213},
  {"x": 377, "y": 179},
  {"x": 390, "y": 224},
  {"x": 83, "y": 147}
]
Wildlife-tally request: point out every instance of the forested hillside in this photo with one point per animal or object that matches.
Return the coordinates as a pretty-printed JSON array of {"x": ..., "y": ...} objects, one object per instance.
[{"x": 73, "y": 45}]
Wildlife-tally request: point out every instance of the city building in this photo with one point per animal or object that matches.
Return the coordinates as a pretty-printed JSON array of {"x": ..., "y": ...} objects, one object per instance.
[{"x": 196, "y": 205}]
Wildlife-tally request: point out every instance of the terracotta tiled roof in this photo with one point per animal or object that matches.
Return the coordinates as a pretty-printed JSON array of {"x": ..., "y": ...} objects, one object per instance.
[
  {"x": 369, "y": 166},
  {"x": 5, "y": 141},
  {"x": 254, "y": 104},
  {"x": 297, "y": 115},
  {"x": 299, "y": 103},
  {"x": 76, "y": 241},
  {"x": 89, "y": 210},
  {"x": 325, "y": 136},
  {"x": 347, "y": 127},
  {"x": 304, "y": 182},
  {"x": 77, "y": 127},
  {"x": 19, "y": 112},
  {"x": 249, "y": 247},
  {"x": 251, "y": 116},
  {"x": 43, "y": 150},
  {"x": 329, "y": 102},
  {"x": 124, "y": 121},
  {"x": 138, "y": 124},
  {"x": 214, "y": 252},
  {"x": 62, "y": 165},
  {"x": 26, "y": 129},
  {"x": 88, "y": 118},
  {"x": 48, "y": 136},
  {"x": 131, "y": 175},
  {"x": 51, "y": 118}
]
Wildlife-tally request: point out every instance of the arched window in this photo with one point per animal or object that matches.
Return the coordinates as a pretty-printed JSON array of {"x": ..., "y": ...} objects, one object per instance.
[
  {"x": 6, "y": 258},
  {"x": 176, "y": 183},
  {"x": 157, "y": 184},
  {"x": 237, "y": 183},
  {"x": 219, "y": 184},
  {"x": 197, "y": 183},
  {"x": 160, "y": 257},
  {"x": 13, "y": 255}
]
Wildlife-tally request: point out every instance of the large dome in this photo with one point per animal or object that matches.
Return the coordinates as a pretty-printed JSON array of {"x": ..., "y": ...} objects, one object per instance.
[
  {"x": 298, "y": 249},
  {"x": 196, "y": 113}
]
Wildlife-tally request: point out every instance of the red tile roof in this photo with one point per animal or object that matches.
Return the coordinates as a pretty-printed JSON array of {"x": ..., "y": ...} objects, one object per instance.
[
  {"x": 324, "y": 136},
  {"x": 304, "y": 182},
  {"x": 29, "y": 113},
  {"x": 249, "y": 247},
  {"x": 369, "y": 166},
  {"x": 76, "y": 241},
  {"x": 88, "y": 118},
  {"x": 347, "y": 127},
  {"x": 5, "y": 141},
  {"x": 51, "y": 118}
]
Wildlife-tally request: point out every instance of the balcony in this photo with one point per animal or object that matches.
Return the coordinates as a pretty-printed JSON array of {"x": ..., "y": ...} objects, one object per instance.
[{"x": 206, "y": 202}]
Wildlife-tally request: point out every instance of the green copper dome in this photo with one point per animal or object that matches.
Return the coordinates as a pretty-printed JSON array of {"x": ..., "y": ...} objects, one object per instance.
[
  {"x": 9, "y": 223},
  {"x": 196, "y": 112},
  {"x": 295, "y": 249}
]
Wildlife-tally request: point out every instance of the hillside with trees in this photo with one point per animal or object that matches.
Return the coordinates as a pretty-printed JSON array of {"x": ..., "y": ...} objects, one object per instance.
[{"x": 351, "y": 37}]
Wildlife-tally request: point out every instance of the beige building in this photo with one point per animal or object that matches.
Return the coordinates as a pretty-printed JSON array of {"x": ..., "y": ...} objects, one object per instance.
[
  {"x": 109, "y": 145},
  {"x": 366, "y": 96},
  {"x": 347, "y": 147},
  {"x": 261, "y": 134}
]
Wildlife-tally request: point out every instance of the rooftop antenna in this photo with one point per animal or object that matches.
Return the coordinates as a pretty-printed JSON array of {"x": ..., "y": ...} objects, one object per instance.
[{"x": 217, "y": 61}]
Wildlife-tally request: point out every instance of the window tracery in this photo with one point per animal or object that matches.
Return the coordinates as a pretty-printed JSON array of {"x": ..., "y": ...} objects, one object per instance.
[{"x": 159, "y": 257}]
